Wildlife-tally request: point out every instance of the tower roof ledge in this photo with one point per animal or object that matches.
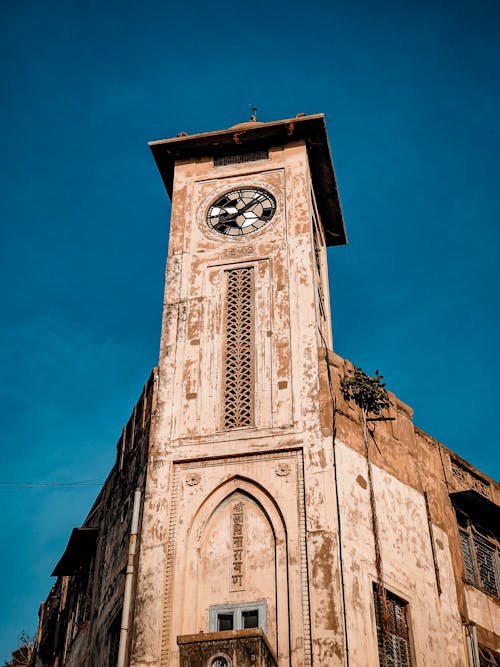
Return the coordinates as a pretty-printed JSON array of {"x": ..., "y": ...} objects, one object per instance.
[
  {"x": 247, "y": 124},
  {"x": 252, "y": 136}
]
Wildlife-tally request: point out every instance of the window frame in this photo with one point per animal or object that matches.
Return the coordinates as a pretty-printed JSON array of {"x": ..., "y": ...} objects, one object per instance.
[
  {"x": 403, "y": 605},
  {"x": 237, "y": 611},
  {"x": 470, "y": 534}
]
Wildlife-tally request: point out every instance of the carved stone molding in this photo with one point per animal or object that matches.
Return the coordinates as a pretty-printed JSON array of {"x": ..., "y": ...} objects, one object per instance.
[
  {"x": 283, "y": 469},
  {"x": 193, "y": 479},
  {"x": 283, "y": 463}
]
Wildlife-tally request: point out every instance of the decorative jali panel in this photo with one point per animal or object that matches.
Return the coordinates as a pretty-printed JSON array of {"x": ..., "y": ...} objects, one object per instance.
[
  {"x": 239, "y": 346},
  {"x": 239, "y": 158},
  {"x": 469, "y": 479}
]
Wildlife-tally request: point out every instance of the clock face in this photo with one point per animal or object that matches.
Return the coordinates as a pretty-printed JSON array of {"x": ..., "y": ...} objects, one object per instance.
[{"x": 242, "y": 211}]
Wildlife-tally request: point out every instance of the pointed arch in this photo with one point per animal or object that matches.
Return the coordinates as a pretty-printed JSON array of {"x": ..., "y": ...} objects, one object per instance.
[
  {"x": 247, "y": 486},
  {"x": 237, "y": 486}
]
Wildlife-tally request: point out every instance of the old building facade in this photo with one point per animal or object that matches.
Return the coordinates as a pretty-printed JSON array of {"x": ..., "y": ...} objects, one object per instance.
[{"x": 250, "y": 518}]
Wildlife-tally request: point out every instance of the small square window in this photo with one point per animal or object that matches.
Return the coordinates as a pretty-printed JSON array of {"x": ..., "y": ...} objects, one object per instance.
[
  {"x": 250, "y": 618},
  {"x": 225, "y": 622}
]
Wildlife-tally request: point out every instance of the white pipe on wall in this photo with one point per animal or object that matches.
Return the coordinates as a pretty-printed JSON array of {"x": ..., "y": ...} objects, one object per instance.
[
  {"x": 470, "y": 657},
  {"x": 129, "y": 576},
  {"x": 475, "y": 646},
  {"x": 472, "y": 645}
]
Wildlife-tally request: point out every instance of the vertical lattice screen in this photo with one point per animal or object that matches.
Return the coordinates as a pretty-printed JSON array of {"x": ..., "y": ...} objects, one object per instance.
[
  {"x": 468, "y": 556},
  {"x": 241, "y": 157},
  {"x": 239, "y": 344},
  {"x": 481, "y": 556},
  {"x": 394, "y": 645},
  {"x": 488, "y": 658},
  {"x": 487, "y": 563}
]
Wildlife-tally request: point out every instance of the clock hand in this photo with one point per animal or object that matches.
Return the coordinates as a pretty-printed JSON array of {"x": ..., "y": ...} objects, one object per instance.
[
  {"x": 235, "y": 212},
  {"x": 224, "y": 213},
  {"x": 253, "y": 202},
  {"x": 226, "y": 218},
  {"x": 229, "y": 218}
]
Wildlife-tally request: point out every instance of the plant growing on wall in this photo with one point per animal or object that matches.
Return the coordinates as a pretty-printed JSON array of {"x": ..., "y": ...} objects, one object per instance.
[{"x": 370, "y": 395}]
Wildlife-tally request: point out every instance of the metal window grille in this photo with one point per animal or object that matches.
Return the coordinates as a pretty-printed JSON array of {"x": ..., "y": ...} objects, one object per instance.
[
  {"x": 239, "y": 345},
  {"x": 468, "y": 556},
  {"x": 394, "y": 643},
  {"x": 487, "y": 658},
  {"x": 481, "y": 557},
  {"x": 487, "y": 563},
  {"x": 239, "y": 158},
  {"x": 219, "y": 661}
]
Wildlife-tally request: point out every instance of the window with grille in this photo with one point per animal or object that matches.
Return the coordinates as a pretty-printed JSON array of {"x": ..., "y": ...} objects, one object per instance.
[
  {"x": 239, "y": 158},
  {"x": 393, "y": 635},
  {"x": 488, "y": 658},
  {"x": 481, "y": 556},
  {"x": 238, "y": 349}
]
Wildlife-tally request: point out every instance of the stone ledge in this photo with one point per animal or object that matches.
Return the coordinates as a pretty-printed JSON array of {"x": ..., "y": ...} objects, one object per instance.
[{"x": 243, "y": 648}]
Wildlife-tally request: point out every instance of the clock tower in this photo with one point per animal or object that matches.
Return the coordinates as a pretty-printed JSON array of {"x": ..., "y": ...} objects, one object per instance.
[{"x": 239, "y": 558}]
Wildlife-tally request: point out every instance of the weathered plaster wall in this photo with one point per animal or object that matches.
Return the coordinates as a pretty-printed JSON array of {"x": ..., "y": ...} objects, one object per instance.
[
  {"x": 408, "y": 565},
  {"x": 300, "y": 469},
  {"x": 484, "y": 610},
  {"x": 287, "y": 394},
  {"x": 406, "y": 464}
]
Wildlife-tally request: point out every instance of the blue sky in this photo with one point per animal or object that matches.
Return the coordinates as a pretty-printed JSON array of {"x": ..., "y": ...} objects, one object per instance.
[{"x": 410, "y": 91}]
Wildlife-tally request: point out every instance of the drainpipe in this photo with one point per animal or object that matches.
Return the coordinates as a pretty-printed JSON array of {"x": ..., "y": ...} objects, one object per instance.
[
  {"x": 129, "y": 576},
  {"x": 472, "y": 645}
]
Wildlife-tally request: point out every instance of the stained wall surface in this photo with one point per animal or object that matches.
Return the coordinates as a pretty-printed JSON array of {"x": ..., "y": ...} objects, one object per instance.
[
  {"x": 283, "y": 506},
  {"x": 414, "y": 482},
  {"x": 265, "y": 460}
]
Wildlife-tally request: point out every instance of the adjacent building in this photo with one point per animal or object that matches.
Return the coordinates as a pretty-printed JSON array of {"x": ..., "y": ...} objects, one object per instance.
[{"x": 253, "y": 518}]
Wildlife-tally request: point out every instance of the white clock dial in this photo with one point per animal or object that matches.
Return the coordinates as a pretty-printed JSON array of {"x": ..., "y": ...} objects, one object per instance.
[{"x": 241, "y": 211}]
